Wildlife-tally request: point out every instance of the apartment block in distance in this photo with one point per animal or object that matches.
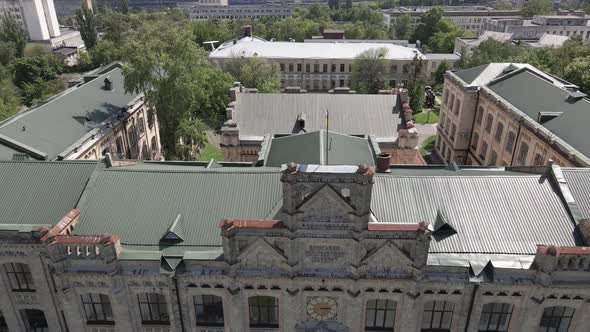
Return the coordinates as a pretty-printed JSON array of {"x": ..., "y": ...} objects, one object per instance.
[
  {"x": 509, "y": 114},
  {"x": 94, "y": 117},
  {"x": 562, "y": 25}
]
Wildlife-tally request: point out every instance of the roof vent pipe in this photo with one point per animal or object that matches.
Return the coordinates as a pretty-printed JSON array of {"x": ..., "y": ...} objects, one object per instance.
[
  {"x": 383, "y": 162},
  {"x": 108, "y": 83}
]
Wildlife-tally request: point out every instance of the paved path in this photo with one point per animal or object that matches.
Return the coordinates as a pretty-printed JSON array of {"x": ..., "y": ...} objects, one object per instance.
[{"x": 425, "y": 131}]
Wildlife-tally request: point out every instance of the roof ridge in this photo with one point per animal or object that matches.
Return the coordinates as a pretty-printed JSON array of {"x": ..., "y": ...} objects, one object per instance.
[{"x": 203, "y": 170}]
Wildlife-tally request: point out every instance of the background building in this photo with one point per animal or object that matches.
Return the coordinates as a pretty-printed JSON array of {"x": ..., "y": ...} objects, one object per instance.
[
  {"x": 183, "y": 246},
  {"x": 534, "y": 29},
  {"x": 87, "y": 121},
  {"x": 253, "y": 12},
  {"x": 510, "y": 114},
  {"x": 469, "y": 18},
  {"x": 322, "y": 66}
]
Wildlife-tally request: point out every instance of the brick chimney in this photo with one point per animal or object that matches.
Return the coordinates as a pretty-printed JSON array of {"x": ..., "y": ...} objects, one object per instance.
[{"x": 383, "y": 162}]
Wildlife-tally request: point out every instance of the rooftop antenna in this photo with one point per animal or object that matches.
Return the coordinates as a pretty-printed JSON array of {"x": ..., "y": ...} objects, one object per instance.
[{"x": 212, "y": 42}]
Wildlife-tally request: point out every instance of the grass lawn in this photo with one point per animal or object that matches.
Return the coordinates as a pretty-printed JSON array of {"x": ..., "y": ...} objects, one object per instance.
[
  {"x": 427, "y": 145},
  {"x": 211, "y": 151},
  {"x": 422, "y": 116}
]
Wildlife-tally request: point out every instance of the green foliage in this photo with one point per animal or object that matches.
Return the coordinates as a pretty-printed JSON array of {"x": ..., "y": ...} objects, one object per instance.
[
  {"x": 368, "y": 70},
  {"x": 87, "y": 23},
  {"x": 7, "y": 53},
  {"x": 578, "y": 71},
  {"x": 34, "y": 69},
  {"x": 387, "y": 4},
  {"x": 403, "y": 27},
  {"x": 255, "y": 72},
  {"x": 174, "y": 73},
  {"x": 9, "y": 101},
  {"x": 537, "y": 7},
  {"x": 443, "y": 40},
  {"x": 428, "y": 24},
  {"x": 13, "y": 35},
  {"x": 439, "y": 74},
  {"x": 503, "y": 6},
  {"x": 209, "y": 152},
  {"x": 33, "y": 50},
  {"x": 104, "y": 53},
  {"x": 33, "y": 92},
  {"x": 491, "y": 51},
  {"x": 416, "y": 94},
  {"x": 426, "y": 116}
]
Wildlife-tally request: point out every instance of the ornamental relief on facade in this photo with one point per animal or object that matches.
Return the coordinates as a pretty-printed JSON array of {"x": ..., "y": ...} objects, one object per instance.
[{"x": 22, "y": 298}]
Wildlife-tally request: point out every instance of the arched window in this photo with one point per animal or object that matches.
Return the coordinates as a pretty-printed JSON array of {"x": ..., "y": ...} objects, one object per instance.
[
  {"x": 499, "y": 132},
  {"x": 153, "y": 308},
  {"x": 437, "y": 316},
  {"x": 20, "y": 277},
  {"x": 479, "y": 116},
  {"x": 264, "y": 311},
  {"x": 457, "y": 107},
  {"x": 209, "y": 310},
  {"x": 495, "y": 317},
  {"x": 380, "y": 315},
  {"x": 556, "y": 318},
  {"x": 97, "y": 308},
  {"x": 34, "y": 320},
  {"x": 522, "y": 154},
  {"x": 489, "y": 122}
]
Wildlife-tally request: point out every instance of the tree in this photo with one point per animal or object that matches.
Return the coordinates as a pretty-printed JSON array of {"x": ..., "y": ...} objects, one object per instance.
[
  {"x": 428, "y": 24},
  {"x": 124, "y": 6},
  {"x": 9, "y": 100},
  {"x": 347, "y": 4},
  {"x": 87, "y": 23},
  {"x": 503, "y": 6},
  {"x": 254, "y": 72},
  {"x": 443, "y": 40},
  {"x": 416, "y": 94},
  {"x": 177, "y": 80},
  {"x": 403, "y": 27},
  {"x": 333, "y": 4},
  {"x": 33, "y": 92},
  {"x": 492, "y": 51},
  {"x": 368, "y": 70},
  {"x": 537, "y": 7},
  {"x": 104, "y": 53},
  {"x": 578, "y": 72},
  {"x": 35, "y": 69},
  {"x": 439, "y": 74},
  {"x": 13, "y": 34}
]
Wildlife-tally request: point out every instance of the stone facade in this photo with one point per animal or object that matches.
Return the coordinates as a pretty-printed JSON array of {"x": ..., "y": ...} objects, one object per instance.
[{"x": 324, "y": 265}]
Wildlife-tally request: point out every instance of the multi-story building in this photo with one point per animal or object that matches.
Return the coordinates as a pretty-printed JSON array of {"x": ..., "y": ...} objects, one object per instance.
[
  {"x": 384, "y": 121},
  {"x": 183, "y": 247},
  {"x": 252, "y": 12},
  {"x": 12, "y": 8},
  {"x": 510, "y": 114},
  {"x": 322, "y": 66},
  {"x": 469, "y": 18},
  {"x": 38, "y": 16},
  {"x": 569, "y": 26},
  {"x": 464, "y": 45},
  {"x": 88, "y": 120}
]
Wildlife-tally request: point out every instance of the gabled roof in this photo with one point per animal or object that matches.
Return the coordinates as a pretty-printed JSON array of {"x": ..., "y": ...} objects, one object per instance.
[
  {"x": 578, "y": 182},
  {"x": 492, "y": 214},
  {"x": 140, "y": 203},
  {"x": 62, "y": 121},
  {"x": 321, "y": 148},
  {"x": 259, "y": 114},
  {"x": 40, "y": 193}
]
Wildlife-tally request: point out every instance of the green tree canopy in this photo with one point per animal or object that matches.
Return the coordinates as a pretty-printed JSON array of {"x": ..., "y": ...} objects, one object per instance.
[
  {"x": 177, "y": 79},
  {"x": 428, "y": 24},
  {"x": 578, "y": 72},
  {"x": 439, "y": 74},
  {"x": 403, "y": 27},
  {"x": 12, "y": 35},
  {"x": 254, "y": 72},
  {"x": 9, "y": 101},
  {"x": 537, "y": 7},
  {"x": 87, "y": 23},
  {"x": 443, "y": 40},
  {"x": 368, "y": 70}
]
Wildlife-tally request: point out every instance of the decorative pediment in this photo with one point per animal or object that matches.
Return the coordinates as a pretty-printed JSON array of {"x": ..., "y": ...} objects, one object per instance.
[
  {"x": 261, "y": 253},
  {"x": 388, "y": 255},
  {"x": 325, "y": 202}
]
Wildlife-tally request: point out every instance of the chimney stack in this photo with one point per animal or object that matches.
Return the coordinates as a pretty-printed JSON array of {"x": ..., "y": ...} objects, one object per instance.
[
  {"x": 247, "y": 29},
  {"x": 108, "y": 84},
  {"x": 383, "y": 162}
]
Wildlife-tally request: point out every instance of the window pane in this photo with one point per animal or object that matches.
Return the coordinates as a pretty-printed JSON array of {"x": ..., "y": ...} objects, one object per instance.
[
  {"x": 370, "y": 319},
  {"x": 426, "y": 319}
]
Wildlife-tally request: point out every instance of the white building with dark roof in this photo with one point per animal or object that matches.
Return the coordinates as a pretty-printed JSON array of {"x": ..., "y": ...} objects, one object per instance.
[{"x": 321, "y": 66}]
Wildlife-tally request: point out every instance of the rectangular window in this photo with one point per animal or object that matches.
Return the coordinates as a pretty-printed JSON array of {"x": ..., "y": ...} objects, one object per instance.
[
  {"x": 437, "y": 316},
  {"x": 510, "y": 142},
  {"x": 264, "y": 311},
  {"x": 325, "y": 68},
  {"x": 484, "y": 150},
  {"x": 20, "y": 277},
  {"x": 349, "y": 68},
  {"x": 479, "y": 116},
  {"x": 298, "y": 67},
  {"x": 282, "y": 65},
  {"x": 493, "y": 158},
  {"x": 495, "y": 317},
  {"x": 307, "y": 67},
  {"x": 556, "y": 318},
  {"x": 290, "y": 67},
  {"x": 153, "y": 309},
  {"x": 380, "y": 315},
  {"x": 97, "y": 308},
  {"x": 333, "y": 68},
  {"x": 499, "y": 132},
  {"x": 522, "y": 154},
  {"x": 539, "y": 160},
  {"x": 316, "y": 68},
  {"x": 209, "y": 309},
  {"x": 341, "y": 82},
  {"x": 342, "y": 68},
  {"x": 489, "y": 122},
  {"x": 394, "y": 69}
]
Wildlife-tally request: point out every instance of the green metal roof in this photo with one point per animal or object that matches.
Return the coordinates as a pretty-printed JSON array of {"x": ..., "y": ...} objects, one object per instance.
[
  {"x": 40, "y": 193},
  {"x": 533, "y": 94},
  {"x": 319, "y": 148},
  {"x": 54, "y": 126},
  {"x": 141, "y": 205}
]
